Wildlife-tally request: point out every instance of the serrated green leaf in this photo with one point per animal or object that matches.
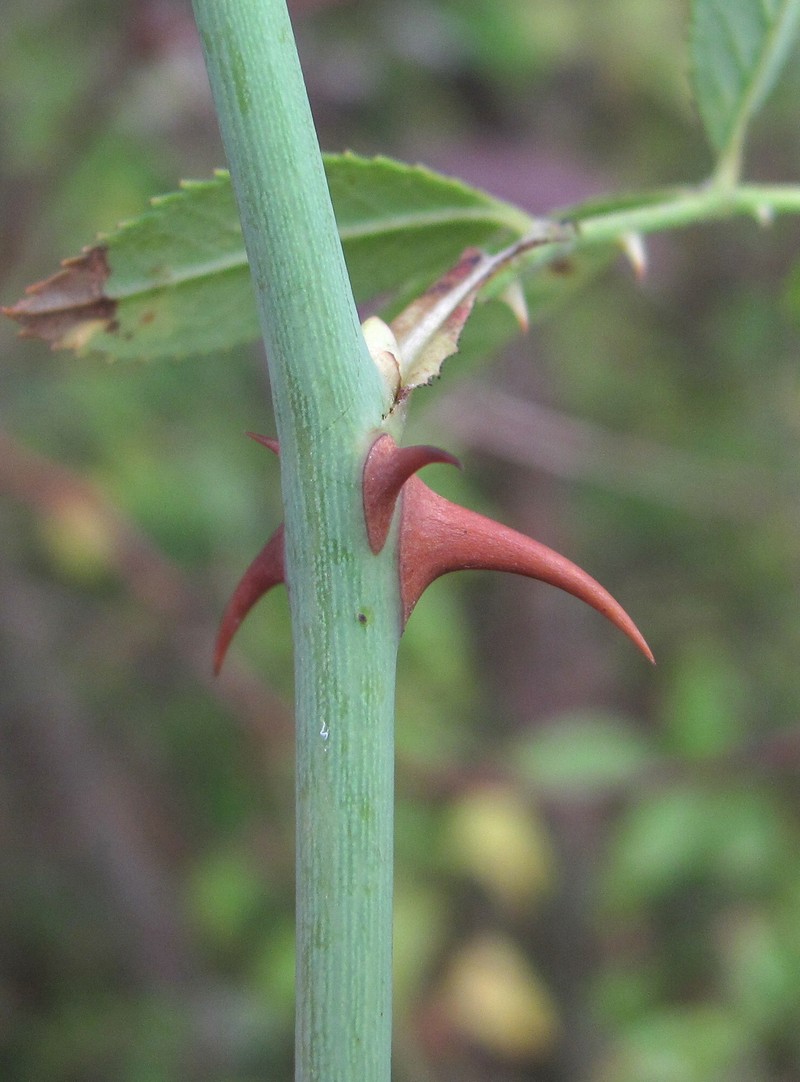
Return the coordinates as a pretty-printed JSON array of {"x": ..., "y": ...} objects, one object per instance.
[
  {"x": 737, "y": 50},
  {"x": 176, "y": 282}
]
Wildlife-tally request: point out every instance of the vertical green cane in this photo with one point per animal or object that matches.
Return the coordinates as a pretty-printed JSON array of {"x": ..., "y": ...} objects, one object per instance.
[{"x": 328, "y": 401}]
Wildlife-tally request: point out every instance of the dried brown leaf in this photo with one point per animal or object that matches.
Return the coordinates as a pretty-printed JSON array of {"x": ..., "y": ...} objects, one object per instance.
[
  {"x": 427, "y": 330},
  {"x": 70, "y": 307}
]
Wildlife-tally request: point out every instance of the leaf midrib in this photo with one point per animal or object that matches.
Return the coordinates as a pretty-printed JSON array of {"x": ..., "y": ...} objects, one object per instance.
[
  {"x": 753, "y": 80},
  {"x": 514, "y": 220}
]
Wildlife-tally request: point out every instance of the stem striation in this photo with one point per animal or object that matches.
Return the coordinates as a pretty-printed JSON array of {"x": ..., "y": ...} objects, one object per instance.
[{"x": 329, "y": 401}]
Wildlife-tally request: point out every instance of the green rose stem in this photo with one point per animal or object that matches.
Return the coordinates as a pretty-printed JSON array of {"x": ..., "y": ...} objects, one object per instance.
[{"x": 328, "y": 400}]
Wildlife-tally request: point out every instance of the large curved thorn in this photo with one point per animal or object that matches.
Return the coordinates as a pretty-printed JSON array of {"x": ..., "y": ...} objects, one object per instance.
[
  {"x": 438, "y": 536},
  {"x": 386, "y": 470}
]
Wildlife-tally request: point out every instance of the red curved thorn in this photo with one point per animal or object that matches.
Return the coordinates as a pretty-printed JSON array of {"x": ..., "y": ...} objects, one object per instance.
[
  {"x": 438, "y": 536},
  {"x": 386, "y": 470},
  {"x": 266, "y": 571},
  {"x": 265, "y": 441}
]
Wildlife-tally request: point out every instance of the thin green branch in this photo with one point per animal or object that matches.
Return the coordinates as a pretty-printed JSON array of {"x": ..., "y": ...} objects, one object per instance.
[
  {"x": 690, "y": 206},
  {"x": 598, "y": 225}
]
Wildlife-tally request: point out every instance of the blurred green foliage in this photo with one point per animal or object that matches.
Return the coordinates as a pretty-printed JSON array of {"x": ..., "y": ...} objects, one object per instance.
[{"x": 638, "y": 910}]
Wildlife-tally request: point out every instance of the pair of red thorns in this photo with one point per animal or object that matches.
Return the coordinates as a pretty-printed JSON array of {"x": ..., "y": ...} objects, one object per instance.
[{"x": 436, "y": 537}]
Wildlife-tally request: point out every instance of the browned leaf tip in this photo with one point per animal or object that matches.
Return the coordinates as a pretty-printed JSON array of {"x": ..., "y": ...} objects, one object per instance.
[
  {"x": 412, "y": 316},
  {"x": 68, "y": 308}
]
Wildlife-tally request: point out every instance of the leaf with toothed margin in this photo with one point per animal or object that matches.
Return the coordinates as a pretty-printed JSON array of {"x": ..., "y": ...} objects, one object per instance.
[{"x": 175, "y": 281}]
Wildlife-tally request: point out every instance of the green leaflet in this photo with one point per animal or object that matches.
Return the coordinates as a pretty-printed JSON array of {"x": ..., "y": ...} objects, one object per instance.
[
  {"x": 737, "y": 50},
  {"x": 590, "y": 754},
  {"x": 175, "y": 281}
]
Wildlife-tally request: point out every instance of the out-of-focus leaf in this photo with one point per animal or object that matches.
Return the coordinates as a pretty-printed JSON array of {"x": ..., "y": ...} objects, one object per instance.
[
  {"x": 733, "y": 837},
  {"x": 273, "y": 966},
  {"x": 791, "y": 295},
  {"x": 491, "y": 996},
  {"x": 175, "y": 281},
  {"x": 703, "y": 710},
  {"x": 226, "y": 892},
  {"x": 582, "y": 755},
  {"x": 421, "y": 923},
  {"x": 660, "y": 843},
  {"x": 79, "y": 540},
  {"x": 429, "y": 677},
  {"x": 698, "y": 1044},
  {"x": 48, "y": 63},
  {"x": 737, "y": 48},
  {"x": 493, "y": 835},
  {"x": 762, "y": 970}
]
